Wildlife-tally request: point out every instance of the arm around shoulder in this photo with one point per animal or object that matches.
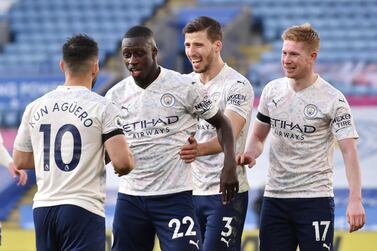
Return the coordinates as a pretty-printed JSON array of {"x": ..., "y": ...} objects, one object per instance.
[{"x": 120, "y": 154}]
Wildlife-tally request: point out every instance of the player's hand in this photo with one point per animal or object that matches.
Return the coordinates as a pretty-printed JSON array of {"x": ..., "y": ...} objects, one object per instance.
[
  {"x": 189, "y": 151},
  {"x": 355, "y": 215},
  {"x": 229, "y": 182},
  {"x": 245, "y": 159},
  {"x": 20, "y": 173}
]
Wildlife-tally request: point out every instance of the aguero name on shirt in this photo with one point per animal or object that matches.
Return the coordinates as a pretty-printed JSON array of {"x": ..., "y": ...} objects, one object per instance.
[{"x": 72, "y": 108}]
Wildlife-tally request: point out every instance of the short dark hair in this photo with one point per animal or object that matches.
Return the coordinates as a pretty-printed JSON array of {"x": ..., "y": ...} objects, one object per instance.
[
  {"x": 213, "y": 27},
  {"x": 139, "y": 31},
  {"x": 78, "y": 51}
]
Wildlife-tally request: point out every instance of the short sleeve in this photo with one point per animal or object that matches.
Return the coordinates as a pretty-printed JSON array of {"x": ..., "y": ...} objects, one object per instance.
[
  {"x": 342, "y": 125},
  {"x": 264, "y": 99},
  {"x": 199, "y": 102},
  {"x": 240, "y": 97},
  {"x": 23, "y": 138},
  {"x": 111, "y": 118}
]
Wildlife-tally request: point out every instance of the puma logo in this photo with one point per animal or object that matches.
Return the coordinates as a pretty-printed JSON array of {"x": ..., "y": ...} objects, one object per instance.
[
  {"x": 196, "y": 244},
  {"x": 275, "y": 103},
  {"x": 125, "y": 108},
  {"x": 326, "y": 246},
  {"x": 226, "y": 242}
]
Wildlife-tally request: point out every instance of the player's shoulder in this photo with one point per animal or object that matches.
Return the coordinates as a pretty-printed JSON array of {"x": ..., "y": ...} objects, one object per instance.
[
  {"x": 177, "y": 83},
  {"x": 120, "y": 85},
  {"x": 178, "y": 78},
  {"x": 51, "y": 95},
  {"x": 328, "y": 90},
  {"x": 276, "y": 85},
  {"x": 236, "y": 77},
  {"x": 236, "y": 82}
]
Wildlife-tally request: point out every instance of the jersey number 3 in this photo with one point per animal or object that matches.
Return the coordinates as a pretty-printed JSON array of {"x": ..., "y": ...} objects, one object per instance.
[{"x": 66, "y": 167}]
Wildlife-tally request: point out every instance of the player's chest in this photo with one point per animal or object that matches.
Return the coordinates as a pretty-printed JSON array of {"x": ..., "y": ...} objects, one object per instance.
[
  {"x": 148, "y": 111},
  {"x": 298, "y": 114}
]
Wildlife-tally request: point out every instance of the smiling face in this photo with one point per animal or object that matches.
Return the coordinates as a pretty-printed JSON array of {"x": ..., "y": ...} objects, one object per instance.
[
  {"x": 297, "y": 60},
  {"x": 200, "y": 50},
  {"x": 139, "y": 56}
]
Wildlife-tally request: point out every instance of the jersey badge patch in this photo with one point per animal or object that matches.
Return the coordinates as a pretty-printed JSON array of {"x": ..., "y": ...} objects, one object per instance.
[
  {"x": 167, "y": 100},
  {"x": 310, "y": 111}
]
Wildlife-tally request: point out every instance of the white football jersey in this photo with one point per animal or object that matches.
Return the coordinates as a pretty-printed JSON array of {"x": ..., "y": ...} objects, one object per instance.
[
  {"x": 304, "y": 126},
  {"x": 64, "y": 130},
  {"x": 229, "y": 90},
  {"x": 158, "y": 122}
]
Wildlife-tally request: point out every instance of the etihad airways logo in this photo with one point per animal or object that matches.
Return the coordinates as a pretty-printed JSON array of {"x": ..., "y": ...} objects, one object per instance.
[
  {"x": 283, "y": 124},
  {"x": 150, "y": 124}
]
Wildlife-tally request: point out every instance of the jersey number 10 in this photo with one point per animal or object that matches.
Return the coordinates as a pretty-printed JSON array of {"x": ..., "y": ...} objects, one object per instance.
[{"x": 66, "y": 167}]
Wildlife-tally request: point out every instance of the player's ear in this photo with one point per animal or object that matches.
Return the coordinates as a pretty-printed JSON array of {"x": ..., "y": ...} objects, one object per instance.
[
  {"x": 154, "y": 52},
  {"x": 314, "y": 55},
  {"x": 95, "y": 68},
  {"x": 61, "y": 65},
  {"x": 218, "y": 45}
]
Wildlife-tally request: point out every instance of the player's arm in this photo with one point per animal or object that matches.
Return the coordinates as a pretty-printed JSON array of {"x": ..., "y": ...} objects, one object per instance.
[
  {"x": 355, "y": 210},
  {"x": 213, "y": 146},
  {"x": 255, "y": 143},
  {"x": 191, "y": 150},
  {"x": 119, "y": 153},
  {"x": 23, "y": 160},
  {"x": 7, "y": 161},
  {"x": 228, "y": 179}
]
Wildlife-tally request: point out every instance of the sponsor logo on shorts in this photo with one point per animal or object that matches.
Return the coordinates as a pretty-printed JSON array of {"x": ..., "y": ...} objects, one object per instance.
[{"x": 196, "y": 244}]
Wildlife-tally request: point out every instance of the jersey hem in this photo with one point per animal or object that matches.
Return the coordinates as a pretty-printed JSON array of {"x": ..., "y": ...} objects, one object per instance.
[
  {"x": 298, "y": 195},
  {"x": 138, "y": 193},
  {"x": 70, "y": 202},
  {"x": 201, "y": 192}
]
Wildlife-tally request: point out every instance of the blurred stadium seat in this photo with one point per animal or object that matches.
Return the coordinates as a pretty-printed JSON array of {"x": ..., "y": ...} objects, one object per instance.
[
  {"x": 40, "y": 27},
  {"x": 347, "y": 31}
]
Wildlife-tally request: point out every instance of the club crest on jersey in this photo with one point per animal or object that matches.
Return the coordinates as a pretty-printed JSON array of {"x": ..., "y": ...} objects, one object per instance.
[
  {"x": 118, "y": 122},
  {"x": 215, "y": 96},
  {"x": 167, "y": 100},
  {"x": 310, "y": 111}
]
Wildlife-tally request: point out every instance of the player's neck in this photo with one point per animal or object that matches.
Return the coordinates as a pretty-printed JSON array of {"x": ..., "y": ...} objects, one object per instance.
[
  {"x": 300, "y": 84},
  {"x": 84, "y": 81},
  {"x": 214, "y": 69},
  {"x": 144, "y": 83}
]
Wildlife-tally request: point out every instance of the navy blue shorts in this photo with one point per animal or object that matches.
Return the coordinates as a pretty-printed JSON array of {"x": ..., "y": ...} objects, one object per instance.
[
  {"x": 221, "y": 225},
  {"x": 68, "y": 228},
  {"x": 304, "y": 222},
  {"x": 138, "y": 219}
]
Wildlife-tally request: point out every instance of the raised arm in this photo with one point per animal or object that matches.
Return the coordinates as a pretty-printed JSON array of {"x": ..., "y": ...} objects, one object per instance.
[{"x": 355, "y": 210}]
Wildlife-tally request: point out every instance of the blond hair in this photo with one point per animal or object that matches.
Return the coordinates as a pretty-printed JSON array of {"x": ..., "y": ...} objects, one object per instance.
[{"x": 303, "y": 33}]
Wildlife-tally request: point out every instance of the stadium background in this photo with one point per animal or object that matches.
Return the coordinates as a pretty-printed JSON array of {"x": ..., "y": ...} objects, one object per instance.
[{"x": 32, "y": 32}]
